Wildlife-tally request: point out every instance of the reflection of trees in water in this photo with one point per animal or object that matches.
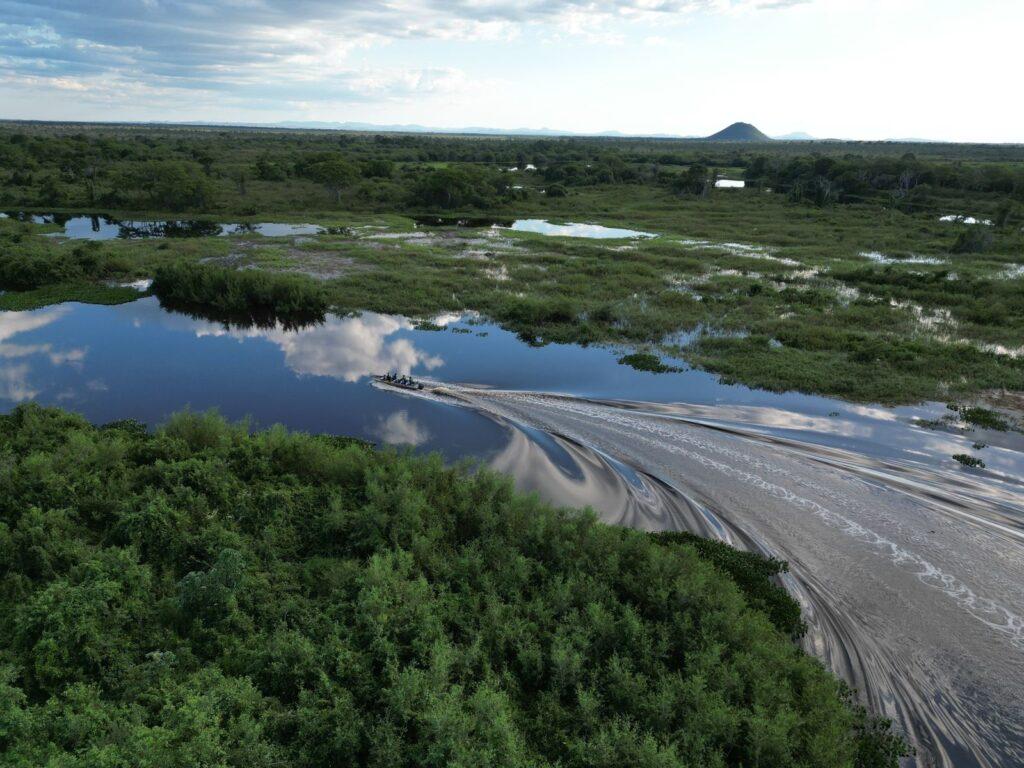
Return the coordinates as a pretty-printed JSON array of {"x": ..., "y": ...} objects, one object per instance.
[
  {"x": 133, "y": 230},
  {"x": 248, "y": 319}
]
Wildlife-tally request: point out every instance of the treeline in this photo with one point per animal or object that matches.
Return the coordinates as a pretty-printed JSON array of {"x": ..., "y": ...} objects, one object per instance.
[
  {"x": 905, "y": 181},
  {"x": 201, "y": 595},
  {"x": 198, "y": 170}
]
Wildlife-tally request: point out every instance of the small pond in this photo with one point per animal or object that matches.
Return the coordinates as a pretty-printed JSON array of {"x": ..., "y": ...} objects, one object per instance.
[
  {"x": 100, "y": 227},
  {"x": 571, "y": 229}
]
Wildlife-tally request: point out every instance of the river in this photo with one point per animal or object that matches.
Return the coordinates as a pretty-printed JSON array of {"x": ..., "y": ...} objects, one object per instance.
[{"x": 910, "y": 568}]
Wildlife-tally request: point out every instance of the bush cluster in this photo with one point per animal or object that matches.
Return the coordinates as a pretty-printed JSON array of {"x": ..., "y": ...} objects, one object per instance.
[
  {"x": 244, "y": 296},
  {"x": 205, "y": 596}
]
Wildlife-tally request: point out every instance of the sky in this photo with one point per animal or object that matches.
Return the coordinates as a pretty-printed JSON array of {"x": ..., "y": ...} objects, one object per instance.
[{"x": 862, "y": 69}]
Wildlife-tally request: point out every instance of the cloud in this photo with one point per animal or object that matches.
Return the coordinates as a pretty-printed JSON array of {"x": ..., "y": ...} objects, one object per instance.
[
  {"x": 401, "y": 429},
  {"x": 296, "y": 51},
  {"x": 14, "y": 378},
  {"x": 14, "y": 323},
  {"x": 14, "y": 384},
  {"x": 346, "y": 348}
]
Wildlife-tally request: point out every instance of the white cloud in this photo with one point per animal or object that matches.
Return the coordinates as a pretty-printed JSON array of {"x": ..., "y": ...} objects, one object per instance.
[
  {"x": 290, "y": 51},
  {"x": 14, "y": 379},
  {"x": 401, "y": 429},
  {"x": 14, "y": 384},
  {"x": 346, "y": 348}
]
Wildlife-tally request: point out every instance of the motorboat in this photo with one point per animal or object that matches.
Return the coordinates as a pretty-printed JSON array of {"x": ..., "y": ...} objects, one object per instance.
[{"x": 399, "y": 382}]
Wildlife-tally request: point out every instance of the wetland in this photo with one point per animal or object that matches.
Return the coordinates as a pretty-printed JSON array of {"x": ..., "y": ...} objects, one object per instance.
[{"x": 794, "y": 377}]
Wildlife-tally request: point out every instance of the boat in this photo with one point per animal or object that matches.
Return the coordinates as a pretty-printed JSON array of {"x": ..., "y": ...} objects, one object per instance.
[{"x": 399, "y": 382}]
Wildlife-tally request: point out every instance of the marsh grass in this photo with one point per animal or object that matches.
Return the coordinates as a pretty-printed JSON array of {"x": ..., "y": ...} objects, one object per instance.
[
  {"x": 22, "y": 301},
  {"x": 240, "y": 293}
]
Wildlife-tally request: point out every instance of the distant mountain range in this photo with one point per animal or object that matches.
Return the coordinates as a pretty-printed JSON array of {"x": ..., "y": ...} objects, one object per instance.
[
  {"x": 737, "y": 132},
  {"x": 734, "y": 132},
  {"x": 416, "y": 128}
]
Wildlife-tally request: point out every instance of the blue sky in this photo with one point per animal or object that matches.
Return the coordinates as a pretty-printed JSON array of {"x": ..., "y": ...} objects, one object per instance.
[{"x": 869, "y": 69}]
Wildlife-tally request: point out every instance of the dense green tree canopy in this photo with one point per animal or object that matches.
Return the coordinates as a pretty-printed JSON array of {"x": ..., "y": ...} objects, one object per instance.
[{"x": 205, "y": 597}]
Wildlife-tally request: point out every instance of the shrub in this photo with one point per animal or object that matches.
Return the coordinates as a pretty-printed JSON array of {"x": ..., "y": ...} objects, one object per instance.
[
  {"x": 973, "y": 239},
  {"x": 202, "y": 595},
  {"x": 243, "y": 296}
]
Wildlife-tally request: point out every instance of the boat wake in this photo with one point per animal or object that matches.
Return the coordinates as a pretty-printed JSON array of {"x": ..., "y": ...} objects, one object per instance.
[{"x": 911, "y": 578}]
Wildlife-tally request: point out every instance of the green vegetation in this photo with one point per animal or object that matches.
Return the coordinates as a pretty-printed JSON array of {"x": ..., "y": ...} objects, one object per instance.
[
  {"x": 241, "y": 295},
  {"x": 841, "y": 280},
  {"x": 206, "y": 596},
  {"x": 969, "y": 461},
  {"x": 27, "y": 264},
  {"x": 249, "y": 170},
  {"x": 978, "y": 416},
  {"x": 56, "y": 294},
  {"x": 753, "y": 574}
]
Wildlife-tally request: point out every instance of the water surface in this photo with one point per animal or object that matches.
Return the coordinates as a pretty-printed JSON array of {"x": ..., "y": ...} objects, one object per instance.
[
  {"x": 813, "y": 479},
  {"x": 138, "y": 360},
  {"x": 102, "y": 227},
  {"x": 572, "y": 229}
]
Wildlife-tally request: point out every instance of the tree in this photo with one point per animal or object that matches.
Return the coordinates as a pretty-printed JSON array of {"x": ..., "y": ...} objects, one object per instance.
[
  {"x": 444, "y": 188},
  {"x": 695, "y": 181},
  {"x": 267, "y": 170},
  {"x": 378, "y": 168},
  {"x": 335, "y": 174},
  {"x": 173, "y": 185}
]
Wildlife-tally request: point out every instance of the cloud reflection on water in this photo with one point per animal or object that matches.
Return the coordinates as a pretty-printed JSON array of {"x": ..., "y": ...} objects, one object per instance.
[
  {"x": 15, "y": 382},
  {"x": 346, "y": 348},
  {"x": 401, "y": 429}
]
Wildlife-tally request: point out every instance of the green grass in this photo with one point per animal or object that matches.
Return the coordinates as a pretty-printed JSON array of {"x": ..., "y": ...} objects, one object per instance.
[
  {"x": 205, "y": 596},
  {"x": 239, "y": 292},
  {"x": 22, "y": 301}
]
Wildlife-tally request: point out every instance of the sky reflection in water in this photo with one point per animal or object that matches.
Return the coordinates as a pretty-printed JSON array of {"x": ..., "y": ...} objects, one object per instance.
[{"x": 140, "y": 361}]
